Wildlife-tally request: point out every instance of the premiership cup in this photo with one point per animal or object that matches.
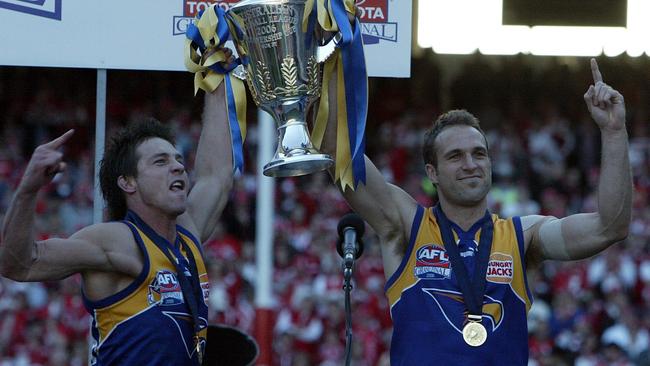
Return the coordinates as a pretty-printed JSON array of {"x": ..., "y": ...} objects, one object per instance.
[{"x": 284, "y": 78}]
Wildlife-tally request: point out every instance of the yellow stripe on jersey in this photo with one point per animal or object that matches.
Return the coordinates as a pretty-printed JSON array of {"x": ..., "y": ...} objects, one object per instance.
[
  {"x": 107, "y": 318},
  {"x": 505, "y": 266}
]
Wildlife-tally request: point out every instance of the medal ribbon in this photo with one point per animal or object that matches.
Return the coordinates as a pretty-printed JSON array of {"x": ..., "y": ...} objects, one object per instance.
[
  {"x": 186, "y": 271},
  {"x": 474, "y": 290}
]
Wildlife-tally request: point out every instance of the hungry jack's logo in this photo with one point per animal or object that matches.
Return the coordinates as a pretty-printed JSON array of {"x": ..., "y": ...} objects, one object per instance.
[
  {"x": 43, "y": 8},
  {"x": 500, "y": 268}
]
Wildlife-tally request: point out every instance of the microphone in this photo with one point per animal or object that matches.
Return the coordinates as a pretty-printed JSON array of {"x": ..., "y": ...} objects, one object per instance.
[{"x": 349, "y": 246}]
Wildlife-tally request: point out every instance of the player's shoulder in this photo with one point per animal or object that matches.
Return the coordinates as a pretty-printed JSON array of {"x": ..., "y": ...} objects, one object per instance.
[
  {"x": 105, "y": 233},
  {"x": 530, "y": 222},
  {"x": 531, "y": 226}
]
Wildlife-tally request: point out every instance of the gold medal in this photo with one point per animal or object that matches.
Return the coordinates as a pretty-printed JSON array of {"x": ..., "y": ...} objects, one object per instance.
[{"x": 474, "y": 333}]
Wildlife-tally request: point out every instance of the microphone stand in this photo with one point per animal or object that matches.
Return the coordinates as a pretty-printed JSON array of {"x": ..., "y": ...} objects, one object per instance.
[
  {"x": 350, "y": 247},
  {"x": 348, "y": 267}
]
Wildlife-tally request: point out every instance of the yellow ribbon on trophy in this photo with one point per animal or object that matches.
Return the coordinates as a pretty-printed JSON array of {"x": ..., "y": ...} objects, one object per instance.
[
  {"x": 205, "y": 57},
  {"x": 351, "y": 102}
]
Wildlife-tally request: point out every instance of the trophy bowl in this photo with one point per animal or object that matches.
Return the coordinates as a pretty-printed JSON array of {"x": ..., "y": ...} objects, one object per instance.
[{"x": 284, "y": 78}]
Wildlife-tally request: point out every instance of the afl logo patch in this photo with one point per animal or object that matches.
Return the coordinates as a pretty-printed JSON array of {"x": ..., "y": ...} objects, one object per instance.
[
  {"x": 432, "y": 263},
  {"x": 165, "y": 289}
]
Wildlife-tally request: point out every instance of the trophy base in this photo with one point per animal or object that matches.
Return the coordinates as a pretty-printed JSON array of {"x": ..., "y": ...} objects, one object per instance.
[{"x": 294, "y": 166}]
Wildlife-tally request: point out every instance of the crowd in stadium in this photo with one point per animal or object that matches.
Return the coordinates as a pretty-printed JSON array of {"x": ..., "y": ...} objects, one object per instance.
[{"x": 545, "y": 158}]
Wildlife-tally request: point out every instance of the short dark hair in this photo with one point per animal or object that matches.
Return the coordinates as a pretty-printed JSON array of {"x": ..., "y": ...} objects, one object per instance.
[
  {"x": 120, "y": 160},
  {"x": 455, "y": 117}
]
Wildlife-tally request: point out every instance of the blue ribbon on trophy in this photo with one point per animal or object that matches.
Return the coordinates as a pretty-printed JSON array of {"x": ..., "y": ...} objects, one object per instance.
[
  {"x": 209, "y": 33},
  {"x": 356, "y": 87},
  {"x": 214, "y": 26},
  {"x": 352, "y": 93}
]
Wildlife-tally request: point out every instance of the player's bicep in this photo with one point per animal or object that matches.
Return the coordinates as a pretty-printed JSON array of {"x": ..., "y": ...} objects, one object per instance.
[
  {"x": 551, "y": 240},
  {"x": 59, "y": 258},
  {"x": 570, "y": 238},
  {"x": 543, "y": 238}
]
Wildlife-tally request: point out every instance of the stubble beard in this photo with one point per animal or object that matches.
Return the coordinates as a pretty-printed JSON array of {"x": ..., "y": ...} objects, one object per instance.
[{"x": 469, "y": 196}]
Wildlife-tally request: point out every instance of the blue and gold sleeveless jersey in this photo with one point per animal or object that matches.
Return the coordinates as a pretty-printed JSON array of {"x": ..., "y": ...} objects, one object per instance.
[
  {"x": 427, "y": 304},
  {"x": 149, "y": 323}
]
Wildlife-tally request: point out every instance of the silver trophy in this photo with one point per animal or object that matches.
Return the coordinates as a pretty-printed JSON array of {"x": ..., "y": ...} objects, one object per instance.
[{"x": 284, "y": 78}]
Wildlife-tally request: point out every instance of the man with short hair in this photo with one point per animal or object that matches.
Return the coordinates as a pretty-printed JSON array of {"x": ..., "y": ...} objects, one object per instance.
[
  {"x": 456, "y": 274},
  {"x": 144, "y": 280}
]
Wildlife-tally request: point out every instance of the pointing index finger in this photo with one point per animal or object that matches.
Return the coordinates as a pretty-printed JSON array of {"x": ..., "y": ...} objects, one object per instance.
[
  {"x": 595, "y": 72},
  {"x": 59, "y": 141}
]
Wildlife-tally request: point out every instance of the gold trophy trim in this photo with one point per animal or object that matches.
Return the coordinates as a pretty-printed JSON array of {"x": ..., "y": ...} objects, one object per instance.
[
  {"x": 313, "y": 73},
  {"x": 264, "y": 80}
]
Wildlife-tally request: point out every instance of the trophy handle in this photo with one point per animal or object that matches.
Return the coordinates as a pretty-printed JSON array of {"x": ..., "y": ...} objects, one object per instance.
[
  {"x": 324, "y": 52},
  {"x": 239, "y": 72}
]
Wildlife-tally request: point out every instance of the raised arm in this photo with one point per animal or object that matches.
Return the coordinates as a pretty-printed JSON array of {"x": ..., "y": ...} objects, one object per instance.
[
  {"x": 24, "y": 259},
  {"x": 213, "y": 168},
  {"x": 583, "y": 235},
  {"x": 388, "y": 209}
]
